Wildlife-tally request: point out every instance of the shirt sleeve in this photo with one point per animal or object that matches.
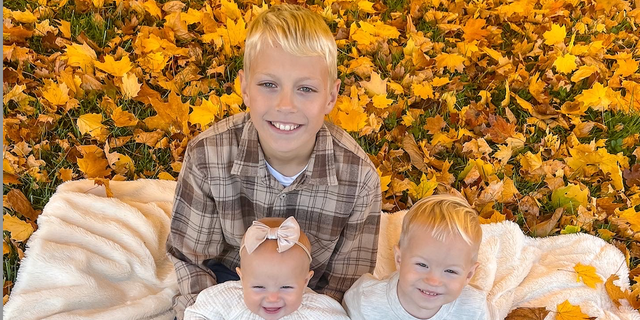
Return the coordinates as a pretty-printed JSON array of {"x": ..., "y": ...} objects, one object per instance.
[
  {"x": 195, "y": 234},
  {"x": 355, "y": 252}
]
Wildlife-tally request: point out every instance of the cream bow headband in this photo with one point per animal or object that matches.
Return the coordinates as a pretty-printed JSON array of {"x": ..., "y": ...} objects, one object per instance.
[{"x": 287, "y": 235}]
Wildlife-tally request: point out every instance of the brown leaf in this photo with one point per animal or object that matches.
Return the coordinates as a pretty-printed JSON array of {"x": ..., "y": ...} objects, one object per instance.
[
  {"x": 632, "y": 175},
  {"x": 500, "y": 129},
  {"x": 527, "y": 314},
  {"x": 21, "y": 204},
  {"x": 529, "y": 208},
  {"x": 543, "y": 229},
  {"x": 417, "y": 158}
]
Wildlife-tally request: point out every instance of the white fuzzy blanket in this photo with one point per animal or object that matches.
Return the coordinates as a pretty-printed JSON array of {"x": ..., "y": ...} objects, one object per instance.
[
  {"x": 94, "y": 257},
  {"x": 519, "y": 271}
]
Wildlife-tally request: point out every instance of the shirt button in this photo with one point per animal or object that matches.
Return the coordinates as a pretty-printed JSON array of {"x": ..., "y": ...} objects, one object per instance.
[{"x": 282, "y": 196}]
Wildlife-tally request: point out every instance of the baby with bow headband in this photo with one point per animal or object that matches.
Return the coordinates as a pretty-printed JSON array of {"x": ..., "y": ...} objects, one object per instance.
[{"x": 275, "y": 258}]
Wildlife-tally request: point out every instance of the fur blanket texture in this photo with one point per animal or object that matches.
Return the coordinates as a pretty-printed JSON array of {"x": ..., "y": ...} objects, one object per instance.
[{"x": 99, "y": 257}]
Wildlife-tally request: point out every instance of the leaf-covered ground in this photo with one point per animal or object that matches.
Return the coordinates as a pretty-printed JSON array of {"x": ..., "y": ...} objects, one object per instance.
[{"x": 530, "y": 108}]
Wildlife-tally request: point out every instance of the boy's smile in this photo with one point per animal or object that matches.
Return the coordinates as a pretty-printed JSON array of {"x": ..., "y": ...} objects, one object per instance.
[{"x": 288, "y": 97}]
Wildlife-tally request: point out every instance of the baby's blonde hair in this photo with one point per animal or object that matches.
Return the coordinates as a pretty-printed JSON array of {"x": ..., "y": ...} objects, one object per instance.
[
  {"x": 444, "y": 215},
  {"x": 299, "y": 31}
]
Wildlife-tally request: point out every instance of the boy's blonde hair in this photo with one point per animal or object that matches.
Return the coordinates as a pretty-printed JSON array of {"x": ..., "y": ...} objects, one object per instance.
[
  {"x": 444, "y": 215},
  {"x": 298, "y": 30}
]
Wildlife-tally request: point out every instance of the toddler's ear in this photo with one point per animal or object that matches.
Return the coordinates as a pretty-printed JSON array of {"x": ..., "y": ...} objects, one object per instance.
[
  {"x": 472, "y": 271},
  {"x": 397, "y": 256},
  {"x": 238, "y": 271}
]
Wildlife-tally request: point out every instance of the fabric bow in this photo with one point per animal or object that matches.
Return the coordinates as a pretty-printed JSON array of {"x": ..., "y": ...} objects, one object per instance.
[{"x": 287, "y": 235}]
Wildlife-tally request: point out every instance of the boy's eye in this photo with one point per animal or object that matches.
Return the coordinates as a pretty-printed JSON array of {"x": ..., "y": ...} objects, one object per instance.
[
  {"x": 267, "y": 84},
  {"x": 422, "y": 265},
  {"x": 307, "y": 89},
  {"x": 451, "y": 271}
]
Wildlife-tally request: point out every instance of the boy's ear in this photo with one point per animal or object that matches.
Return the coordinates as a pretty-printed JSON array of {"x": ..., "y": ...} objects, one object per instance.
[
  {"x": 397, "y": 256},
  {"x": 472, "y": 271},
  {"x": 243, "y": 87},
  {"x": 334, "y": 90},
  {"x": 239, "y": 272}
]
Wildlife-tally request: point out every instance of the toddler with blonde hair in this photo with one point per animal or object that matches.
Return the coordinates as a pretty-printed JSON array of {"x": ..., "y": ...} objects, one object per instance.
[
  {"x": 435, "y": 259},
  {"x": 274, "y": 274}
]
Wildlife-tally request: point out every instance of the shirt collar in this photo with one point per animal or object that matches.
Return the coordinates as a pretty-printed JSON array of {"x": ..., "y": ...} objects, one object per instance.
[{"x": 250, "y": 161}]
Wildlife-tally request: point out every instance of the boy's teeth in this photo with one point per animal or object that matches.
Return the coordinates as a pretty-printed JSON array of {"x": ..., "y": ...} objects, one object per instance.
[{"x": 284, "y": 127}]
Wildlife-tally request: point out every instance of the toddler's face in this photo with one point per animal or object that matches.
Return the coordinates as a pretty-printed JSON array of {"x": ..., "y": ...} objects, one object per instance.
[
  {"x": 273, "y": 283},
  {"x": 288, "y": 97},
  {"x": 432, "y": 273}
]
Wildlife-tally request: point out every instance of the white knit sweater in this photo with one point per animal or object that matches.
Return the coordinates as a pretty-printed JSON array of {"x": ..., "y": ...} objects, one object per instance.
[{"x": 226, "y": 302}]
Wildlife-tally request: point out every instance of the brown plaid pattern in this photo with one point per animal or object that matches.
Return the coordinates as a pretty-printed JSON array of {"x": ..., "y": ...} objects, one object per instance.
[{"x": 224, "y": 186}]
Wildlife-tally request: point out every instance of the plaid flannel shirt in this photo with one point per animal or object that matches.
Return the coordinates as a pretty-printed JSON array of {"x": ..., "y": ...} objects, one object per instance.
[{"x": 224, "y": 186}]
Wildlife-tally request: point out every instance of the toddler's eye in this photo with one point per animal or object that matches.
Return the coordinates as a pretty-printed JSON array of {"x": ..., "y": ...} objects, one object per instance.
[
  {"x": 258, "y": 287},
  {"x": 422, "y": 265},
  {"x": 287, "y": 287},
  {"x": 451, "y": 271}
]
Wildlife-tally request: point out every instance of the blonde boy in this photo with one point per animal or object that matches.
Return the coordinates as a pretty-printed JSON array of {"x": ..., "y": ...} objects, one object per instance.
[
  {"x": 274, "y": 271},
  {"x": 279, "y": 160},
  {"x": 435, "y": 259}
]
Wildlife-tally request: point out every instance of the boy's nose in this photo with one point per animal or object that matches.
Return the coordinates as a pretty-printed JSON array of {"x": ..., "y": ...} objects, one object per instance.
[{"x": 286, "y": 103}]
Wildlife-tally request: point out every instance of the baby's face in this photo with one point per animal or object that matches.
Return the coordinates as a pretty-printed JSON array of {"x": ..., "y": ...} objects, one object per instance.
[
  {"x": 432, "y": 273},
  {"x": 273, "y": 283}
]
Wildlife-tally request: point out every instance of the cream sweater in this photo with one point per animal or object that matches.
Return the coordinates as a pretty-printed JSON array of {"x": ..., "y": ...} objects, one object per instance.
[{"x": 225, "y": 302}]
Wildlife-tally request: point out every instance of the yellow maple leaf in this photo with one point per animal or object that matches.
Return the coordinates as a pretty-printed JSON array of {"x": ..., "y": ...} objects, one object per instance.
[
  {"x": 587, "y": 274},
  {"x": 627, "y": 67},
  {"x": 424, "y": 189},
  {"x": 565, "y": 63},
  {"x": 65, "y": 28},
  {"x": 130, "y": 86},
  {"x": 531, "y": 162},
  {"x": 56, "y": 94},
  {"x": 152, "y": 7},
  {"x": 123, "y": 118},
  {"x": 93, "y": 164},
  {"x": 352, "y": 121},
  {"x": 172, "y": 116},
  {"x": 366, "y": 6},
  {"x": 90, "y": 123},
  {"x": 384, "y": 180},
  {"x": 381, "y": 101},
  {"x": 567, "y": 311},
  {"x": 166, "y": 176},
  {"x": 375, "y": 86},
  {"x": 362, "y": 66},
  {"x": 496, "y": 217},
  {"x": 23, "y": 16},
  {"x": 473, "y": 29},
  {"x": 451, "y": 61},
  {"x": 555, "y": 35},
  {"x": 597, "y": 97},
  {"x": 114, "y": 68},
  {"x": 65, "y": 174},
  {"x": 20, "y": 230},
  {"x": 570, "y": 197},
  {"x": 583, "y": 72},
  {"x": 154, "y": 62},
  {"x": 632, "y": 217},
  {"x": 81, "y": 56},
  {"x": 439, "y": 81},
  {"x": 422, "y": 90},
  {"x": 206, "y": 113},
  {"x": 230, "y": 9}
]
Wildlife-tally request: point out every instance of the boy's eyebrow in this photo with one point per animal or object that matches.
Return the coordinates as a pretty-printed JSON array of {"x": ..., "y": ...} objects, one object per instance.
[{"x": 271, "y": 75}]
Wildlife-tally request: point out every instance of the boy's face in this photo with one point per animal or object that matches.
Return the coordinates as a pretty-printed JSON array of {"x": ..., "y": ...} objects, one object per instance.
[
  {"x": 288, "y": 97},
  {"x": 432, "y": 273},
  {"x": 273, "y": 283}
]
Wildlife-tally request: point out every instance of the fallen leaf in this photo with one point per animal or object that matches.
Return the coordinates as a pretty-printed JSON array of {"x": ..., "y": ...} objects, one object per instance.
[
  {"x": 528, "y": 314},
  {"x": 20, "y": 230},
  {"x": 587, "y": 274},
  {"x": 21, "y": 204},
  {"x": 567, "y": 311}
]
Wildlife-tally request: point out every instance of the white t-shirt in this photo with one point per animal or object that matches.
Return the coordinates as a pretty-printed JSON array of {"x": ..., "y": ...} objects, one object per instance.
[
  {"x": 284, "y": 180},
  {"x": 225, "y": 301},
  {"x": 370, "y": 298}
]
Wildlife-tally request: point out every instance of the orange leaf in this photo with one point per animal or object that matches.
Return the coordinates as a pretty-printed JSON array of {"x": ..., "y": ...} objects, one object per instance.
[
  {"x": 527, "y": 314},
  {"x": 93, "y": 164}
]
